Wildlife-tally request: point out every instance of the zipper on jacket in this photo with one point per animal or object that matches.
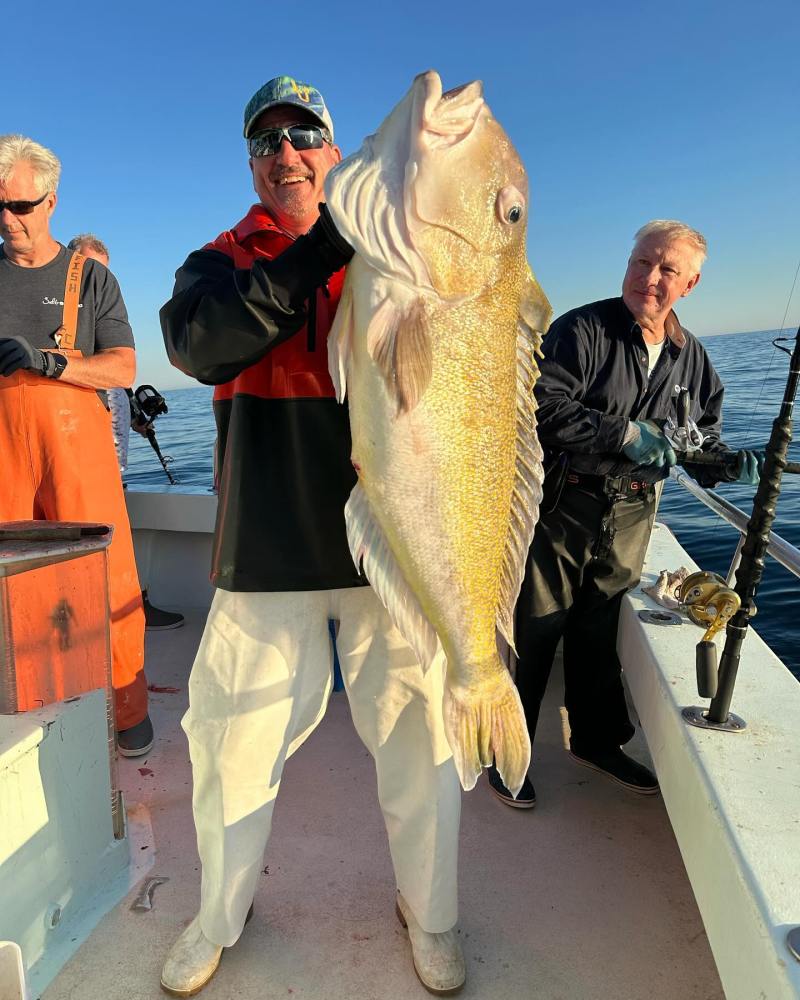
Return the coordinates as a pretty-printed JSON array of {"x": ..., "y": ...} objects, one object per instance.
[{"x": 311, "y": 325}]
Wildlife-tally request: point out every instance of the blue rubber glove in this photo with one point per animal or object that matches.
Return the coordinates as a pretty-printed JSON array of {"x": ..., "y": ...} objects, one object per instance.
[
  {"x": 651, "y": 447},
  {"x": 749, "y": 466},
  {"x": 16, "y": 353}
]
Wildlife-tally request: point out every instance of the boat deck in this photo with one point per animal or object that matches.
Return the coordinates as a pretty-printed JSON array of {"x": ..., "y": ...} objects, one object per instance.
[{"x": 584, "y": 897}]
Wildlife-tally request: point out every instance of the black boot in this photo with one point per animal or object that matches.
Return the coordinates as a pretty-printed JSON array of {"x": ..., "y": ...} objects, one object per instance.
[
  {"x": 620, "y": 768},
  {"x": 136, "y": 741},
  {"x": 526, "y": 798},
  {"x": 155, "y": 619}
]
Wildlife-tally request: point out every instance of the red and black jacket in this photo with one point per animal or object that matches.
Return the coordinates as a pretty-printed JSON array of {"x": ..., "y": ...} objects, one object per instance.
[{"x": 250, "y": 314}]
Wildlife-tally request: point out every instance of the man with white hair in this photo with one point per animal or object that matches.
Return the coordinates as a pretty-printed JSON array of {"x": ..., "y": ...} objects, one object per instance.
[
  {"x": 611, "y": 376},
  {"x": 65, "y": 337}
]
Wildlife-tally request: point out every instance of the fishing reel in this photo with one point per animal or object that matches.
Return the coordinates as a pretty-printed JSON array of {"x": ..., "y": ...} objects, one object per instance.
[
  {"x": 710, "y": 602},
  {"x": 683, "y": 434},
  {"x": 148, "y": 404}
]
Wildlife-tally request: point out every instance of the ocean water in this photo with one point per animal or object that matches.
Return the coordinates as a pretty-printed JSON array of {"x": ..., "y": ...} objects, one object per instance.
[{"x": 754, "y": 374}]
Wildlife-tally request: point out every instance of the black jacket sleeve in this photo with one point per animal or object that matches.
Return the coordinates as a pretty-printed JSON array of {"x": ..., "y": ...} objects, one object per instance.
[
  {"x": 222, "y": 319},
  {"x": 564, "y": 422}
]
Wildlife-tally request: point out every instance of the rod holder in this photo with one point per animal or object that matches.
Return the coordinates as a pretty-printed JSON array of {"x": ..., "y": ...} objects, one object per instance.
[{"x": 697, "y": 716}]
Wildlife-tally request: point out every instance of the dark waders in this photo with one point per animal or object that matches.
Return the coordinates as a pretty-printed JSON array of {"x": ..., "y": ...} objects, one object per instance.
[{"x": 586, "y": 554}]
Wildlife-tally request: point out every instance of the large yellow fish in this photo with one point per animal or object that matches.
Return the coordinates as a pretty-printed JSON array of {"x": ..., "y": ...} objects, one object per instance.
[{"x": 434, "y": 344}]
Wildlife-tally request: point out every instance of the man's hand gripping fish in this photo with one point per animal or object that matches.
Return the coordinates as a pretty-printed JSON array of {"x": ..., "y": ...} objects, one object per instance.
[{"x": 434, "y": 343}]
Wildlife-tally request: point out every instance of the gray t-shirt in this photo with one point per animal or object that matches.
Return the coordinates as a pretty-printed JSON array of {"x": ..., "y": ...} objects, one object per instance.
[{"x": 32, "y": 304}]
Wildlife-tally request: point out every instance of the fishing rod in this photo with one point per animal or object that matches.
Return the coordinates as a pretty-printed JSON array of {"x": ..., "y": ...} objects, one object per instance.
[
  {"x": 146, "y": 405},
  {"x": 723, "y": 461},
  {"x": 687, "y": 445},
  {"x": 754, "y": 550}
]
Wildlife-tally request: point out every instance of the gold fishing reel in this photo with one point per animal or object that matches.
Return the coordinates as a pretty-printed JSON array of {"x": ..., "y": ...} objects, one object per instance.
[{"x": 708, "y": 601}]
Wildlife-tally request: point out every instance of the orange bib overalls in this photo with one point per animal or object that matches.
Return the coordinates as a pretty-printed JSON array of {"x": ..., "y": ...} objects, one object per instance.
[{"x": 58, "y": 463}]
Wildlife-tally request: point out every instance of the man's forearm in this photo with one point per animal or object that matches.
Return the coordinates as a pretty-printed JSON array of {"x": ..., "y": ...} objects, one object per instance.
[
  {"x": 566, "y": 425},
  {"x": 114, "y": 368},
  {"x": 221, "y": 319}
]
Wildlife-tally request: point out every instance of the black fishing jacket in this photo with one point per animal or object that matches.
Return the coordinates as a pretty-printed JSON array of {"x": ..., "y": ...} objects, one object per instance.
[
  {"x": 594, "y": 381},
  {"x": 253, "y": 320}
]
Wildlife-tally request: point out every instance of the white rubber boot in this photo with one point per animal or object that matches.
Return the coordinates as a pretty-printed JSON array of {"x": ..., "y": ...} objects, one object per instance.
[
  {"x": 438, "y": 959},
  {"x": 191, "y": 962}
]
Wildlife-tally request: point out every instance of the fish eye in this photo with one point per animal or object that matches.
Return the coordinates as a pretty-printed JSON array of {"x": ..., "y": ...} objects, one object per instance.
[{"x": 510, "y": 205}]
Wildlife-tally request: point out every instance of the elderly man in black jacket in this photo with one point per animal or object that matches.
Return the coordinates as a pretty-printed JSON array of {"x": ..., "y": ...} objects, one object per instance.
[{"x": 611, "y": 376}]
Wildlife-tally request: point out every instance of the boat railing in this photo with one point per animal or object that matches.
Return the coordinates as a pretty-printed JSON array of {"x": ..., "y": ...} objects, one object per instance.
[{"x": 781, "y": 551}]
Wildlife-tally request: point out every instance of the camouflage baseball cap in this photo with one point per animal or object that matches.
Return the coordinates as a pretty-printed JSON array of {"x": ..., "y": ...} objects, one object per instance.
[{"x": 286, "y": 90}]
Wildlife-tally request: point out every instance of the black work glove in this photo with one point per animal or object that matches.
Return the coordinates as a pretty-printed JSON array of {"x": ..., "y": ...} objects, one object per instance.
[
  {"x": 305, "y": 265},
  {"x": 747, "y": 468},
  {"x": 16, "y": 353},
  {"x": 332, "y": 247}
]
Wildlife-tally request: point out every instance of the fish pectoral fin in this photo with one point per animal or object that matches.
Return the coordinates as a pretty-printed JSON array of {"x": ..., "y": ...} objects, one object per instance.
[
  {"x": 399, "y": 343},
  {"x": 482, "y": 730}
]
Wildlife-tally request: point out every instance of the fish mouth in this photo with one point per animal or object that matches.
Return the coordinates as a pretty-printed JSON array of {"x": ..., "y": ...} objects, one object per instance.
[
  {"x": 442, "y": 120},
  {"x": 449, "y": 116},
  {"x": 450, "y": 95}
]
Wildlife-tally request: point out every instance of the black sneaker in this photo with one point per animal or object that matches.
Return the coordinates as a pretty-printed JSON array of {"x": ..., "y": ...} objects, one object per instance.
[
  {"x": 620, "y": 768},
  {"x": 526, "y": 798},
  {"x": 156, "y": 619},
  {"x": 136, "y": 741}
]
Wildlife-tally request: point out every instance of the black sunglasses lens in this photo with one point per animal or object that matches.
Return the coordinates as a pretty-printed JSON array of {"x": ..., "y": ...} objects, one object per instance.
[
  {"x": 21, "y": 207},
  {"x": 18, "y": 207},
  {"x": 265, "y": 143},
  {"x": 268, "y": 141},
  {"x": 305, "y": 137}
]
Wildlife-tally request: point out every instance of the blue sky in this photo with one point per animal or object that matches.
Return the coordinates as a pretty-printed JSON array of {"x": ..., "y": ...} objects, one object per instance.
[{"x": 622, "y": 112}]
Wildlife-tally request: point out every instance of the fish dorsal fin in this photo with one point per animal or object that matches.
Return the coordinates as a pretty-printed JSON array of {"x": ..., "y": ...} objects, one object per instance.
[
  {"x": 370, "y": 551},
  {"x": 534, "y": 316},
  {"x": 535, "y": 310},
  {"x": 398, "y": 341}
]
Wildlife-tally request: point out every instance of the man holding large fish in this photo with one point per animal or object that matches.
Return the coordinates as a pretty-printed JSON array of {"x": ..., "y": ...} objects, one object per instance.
[{"x": 434, "y": 338}]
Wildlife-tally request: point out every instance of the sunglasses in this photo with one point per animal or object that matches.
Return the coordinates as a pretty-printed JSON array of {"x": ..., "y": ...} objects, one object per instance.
[
  {"x": 268, "y": 141},
  {"x": 22, "y": 207}
]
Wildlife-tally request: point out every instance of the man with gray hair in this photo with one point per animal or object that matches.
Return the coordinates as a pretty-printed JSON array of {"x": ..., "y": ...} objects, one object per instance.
[
  {"x": 64, "y": 338},
  {"x": 611, "y": 376},
  {"x": 90, "y": 246}
]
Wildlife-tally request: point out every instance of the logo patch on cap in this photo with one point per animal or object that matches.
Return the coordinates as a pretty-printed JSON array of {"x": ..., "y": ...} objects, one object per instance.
[{"x": 287, "y": 90}]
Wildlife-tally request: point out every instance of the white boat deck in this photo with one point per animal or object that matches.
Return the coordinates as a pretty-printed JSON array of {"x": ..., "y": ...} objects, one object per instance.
[{"x": 583, "y": 898}]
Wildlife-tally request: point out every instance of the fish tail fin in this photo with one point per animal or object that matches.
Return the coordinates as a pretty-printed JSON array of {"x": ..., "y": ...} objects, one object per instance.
[{"x": 481, "y": 731}]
